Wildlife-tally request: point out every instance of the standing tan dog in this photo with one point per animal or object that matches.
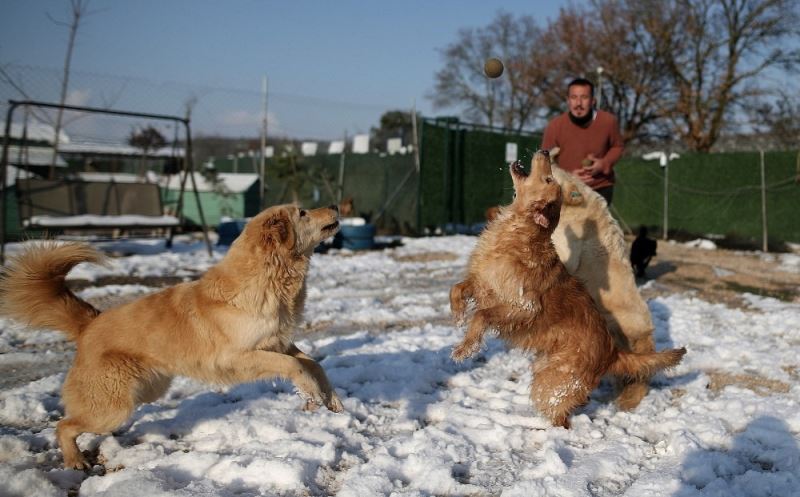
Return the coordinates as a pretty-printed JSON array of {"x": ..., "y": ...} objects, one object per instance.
[
  {"x": 524, "y": 292},
  {"x": 233, "y": 325},
  {"x": 591, "y": 244}
]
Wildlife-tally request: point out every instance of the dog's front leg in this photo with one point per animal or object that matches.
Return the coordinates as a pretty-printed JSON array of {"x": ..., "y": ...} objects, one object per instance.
[
  {"x": 482, "y": 320},
  {"x": 262, "y": 364},
  {"x": 459, "y": 294},
  {"x": 331, "y": 400}
]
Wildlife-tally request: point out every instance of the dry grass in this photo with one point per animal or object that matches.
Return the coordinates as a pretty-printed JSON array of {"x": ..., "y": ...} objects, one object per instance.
[
  {"x": 426, "y": 257},
  {"x": 718, "y": 380}
]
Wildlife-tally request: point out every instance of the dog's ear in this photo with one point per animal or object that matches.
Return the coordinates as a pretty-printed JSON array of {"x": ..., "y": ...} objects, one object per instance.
[
  {"x": 554, "y": 154},
  {"x": 572, "y": 196},
  {"x": 277, "y": 230}
]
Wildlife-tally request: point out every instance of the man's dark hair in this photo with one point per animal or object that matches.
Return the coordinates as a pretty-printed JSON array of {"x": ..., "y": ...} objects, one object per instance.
[{"x": 581, "y": 82}]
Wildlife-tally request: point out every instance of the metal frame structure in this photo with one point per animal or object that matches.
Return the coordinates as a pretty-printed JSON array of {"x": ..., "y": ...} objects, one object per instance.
[{"x": 187, "y": 164}]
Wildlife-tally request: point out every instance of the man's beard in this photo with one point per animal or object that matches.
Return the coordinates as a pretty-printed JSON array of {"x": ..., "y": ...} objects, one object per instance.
[{"x": 581, "y": 121}]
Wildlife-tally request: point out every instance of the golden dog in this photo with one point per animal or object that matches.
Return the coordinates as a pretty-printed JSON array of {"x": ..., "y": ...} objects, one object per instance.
[
  {"x": 233, "y": 325},
  {"x": 524, "y": 292},
  {"x": 592, "y": 246}
]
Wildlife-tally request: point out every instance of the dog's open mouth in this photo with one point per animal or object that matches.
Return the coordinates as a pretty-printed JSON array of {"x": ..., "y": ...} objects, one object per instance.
[
  {"x": 518, "y": 169},
  {"x": 331, "y": 227}
]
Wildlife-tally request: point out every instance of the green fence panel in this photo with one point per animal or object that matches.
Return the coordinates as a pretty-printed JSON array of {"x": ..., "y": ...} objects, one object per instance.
[
  {"x": 713, "y": 195},
  {"x": 464, "y": 170}
]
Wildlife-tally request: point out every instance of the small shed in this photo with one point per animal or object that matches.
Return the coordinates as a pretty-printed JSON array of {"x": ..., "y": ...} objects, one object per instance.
[{"x": 222, "y": 195}]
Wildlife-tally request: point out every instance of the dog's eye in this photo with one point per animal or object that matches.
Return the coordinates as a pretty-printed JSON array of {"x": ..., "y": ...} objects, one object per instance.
[
  {"x": 302, "y": 213},
  {"x": 548, "y": 180}
]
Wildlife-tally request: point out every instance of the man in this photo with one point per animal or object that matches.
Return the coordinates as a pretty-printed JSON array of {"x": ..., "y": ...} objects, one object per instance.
[{"x": 589, "y": 139}]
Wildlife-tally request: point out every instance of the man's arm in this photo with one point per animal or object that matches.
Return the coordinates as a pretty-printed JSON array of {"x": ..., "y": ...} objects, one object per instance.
[{"x": 606, "y": 163}]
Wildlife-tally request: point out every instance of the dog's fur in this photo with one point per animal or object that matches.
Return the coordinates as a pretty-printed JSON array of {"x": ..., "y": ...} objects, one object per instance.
[
  {"x": 591, "y": 245},
  {"x": 524, "y": 292},
  {"x": 232, "y": 325}
]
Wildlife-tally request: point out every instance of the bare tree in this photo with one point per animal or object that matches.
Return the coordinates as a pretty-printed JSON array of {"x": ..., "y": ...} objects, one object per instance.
[
  {"x": 777, "y": 118},
  {"x": 717, "y": 52},
  {"x": 610, "y": 43},
  {"x": 146, "y": 139},
  {"x": 512, "y": 100},
  {"x": 78, "y": 11}
]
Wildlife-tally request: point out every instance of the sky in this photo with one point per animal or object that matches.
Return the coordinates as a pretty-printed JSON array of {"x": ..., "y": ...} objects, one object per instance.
[
  {"x": 331, "y": 66},
  {"x": 724, "y": 422}
]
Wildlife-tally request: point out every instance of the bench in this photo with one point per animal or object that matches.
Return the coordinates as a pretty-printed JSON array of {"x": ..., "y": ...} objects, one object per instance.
[{"x": 75, "y": 204}]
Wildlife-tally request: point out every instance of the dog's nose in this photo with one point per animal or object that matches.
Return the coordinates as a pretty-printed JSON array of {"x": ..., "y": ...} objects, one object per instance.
[
  {"x": 546, "y": 153},
  {"x": 334, "y": 207}
]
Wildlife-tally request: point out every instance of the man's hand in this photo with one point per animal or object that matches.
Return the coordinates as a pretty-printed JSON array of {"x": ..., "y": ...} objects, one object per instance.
[{"x": 597, "y": 167}]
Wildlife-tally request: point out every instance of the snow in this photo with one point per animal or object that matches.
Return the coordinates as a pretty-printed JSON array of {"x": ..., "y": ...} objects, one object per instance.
[
  {"x": 702, "y": 243},
  {"x": 725, "y": 422},
  {"x": 95, "y": 220}
]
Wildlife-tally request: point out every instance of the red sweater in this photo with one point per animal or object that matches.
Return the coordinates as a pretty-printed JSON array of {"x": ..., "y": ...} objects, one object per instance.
[{"x": 600, "y": 138}]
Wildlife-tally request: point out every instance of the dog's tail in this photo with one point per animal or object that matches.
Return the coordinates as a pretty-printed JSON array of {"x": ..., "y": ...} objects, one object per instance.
[
  {"x": 33, "y": 289},
  {"x": 642, "y": 366}
]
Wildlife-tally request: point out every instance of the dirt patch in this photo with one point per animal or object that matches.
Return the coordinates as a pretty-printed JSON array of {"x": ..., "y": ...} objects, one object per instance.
[
  {"x": 718, "y": 380},
  {"x": 719, "y": 276},
  {"x": 426, "y": 257}
]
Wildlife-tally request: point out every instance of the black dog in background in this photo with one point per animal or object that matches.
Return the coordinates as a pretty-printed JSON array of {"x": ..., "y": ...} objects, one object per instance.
[{"x": 642, "y": 250}]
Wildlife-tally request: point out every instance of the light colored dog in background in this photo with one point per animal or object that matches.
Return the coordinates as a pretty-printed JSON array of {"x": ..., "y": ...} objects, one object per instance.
[
  {"x": 591, "y": 244},
  {"x": 233, "y": 325}
]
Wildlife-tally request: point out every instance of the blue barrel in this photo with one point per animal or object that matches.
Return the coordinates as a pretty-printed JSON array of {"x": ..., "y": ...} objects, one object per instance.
[
  {"x": 228, "y": 231},
  {"x": 357, "y": 237}
]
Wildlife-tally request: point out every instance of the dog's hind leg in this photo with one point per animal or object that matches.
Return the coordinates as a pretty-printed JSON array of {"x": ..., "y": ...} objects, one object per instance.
[
  {"x": 97, "y": 399},
  {"x": 332, "y": 401},
  {"x": 556, "y": 391},
  {"x": 631, "y": 392}
]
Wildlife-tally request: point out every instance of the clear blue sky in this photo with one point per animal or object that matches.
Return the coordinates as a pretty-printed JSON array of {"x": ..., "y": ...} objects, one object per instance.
[{"x": 318, "y": 56}]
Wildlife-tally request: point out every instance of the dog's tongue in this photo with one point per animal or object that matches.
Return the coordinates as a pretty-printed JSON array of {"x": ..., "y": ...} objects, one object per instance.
[{"x": 541, "y": 220}]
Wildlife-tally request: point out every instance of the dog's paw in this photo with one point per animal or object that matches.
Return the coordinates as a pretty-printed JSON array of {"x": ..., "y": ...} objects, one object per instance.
[
  {"x": 310, "y": 406},
  {"x": 460, "y": 320},
  {"x": 334, "y": 403},
  {"x": 464, "y": 350},
  {"x": 76, "y": 461},
  {"x": 312, "y": 399}
]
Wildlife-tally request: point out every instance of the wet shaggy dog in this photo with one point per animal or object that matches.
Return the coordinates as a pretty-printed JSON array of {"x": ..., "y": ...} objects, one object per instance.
[
  {"x": 592, "y": 246},
  {"x": 233, "y": 325},
  {"x": 524, "y": 292}
]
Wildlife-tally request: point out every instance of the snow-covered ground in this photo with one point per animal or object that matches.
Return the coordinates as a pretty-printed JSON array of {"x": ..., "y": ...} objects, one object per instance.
[{"x": 725, "y": 422}]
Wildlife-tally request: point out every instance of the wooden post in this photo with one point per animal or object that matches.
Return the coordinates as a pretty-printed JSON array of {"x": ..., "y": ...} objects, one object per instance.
[
  {"x": 341, "y": 170},
  {"x": 263, "y": 167},
  {"x": 666, "y": 197},
  {"x": 764, "y": 237}
]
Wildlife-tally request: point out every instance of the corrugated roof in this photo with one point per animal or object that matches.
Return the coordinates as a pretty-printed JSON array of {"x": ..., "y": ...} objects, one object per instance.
[
  {"x": 33, "y": 156},
  {"x": 233, "y": 182},
  {"x": 36, "y": 131}
]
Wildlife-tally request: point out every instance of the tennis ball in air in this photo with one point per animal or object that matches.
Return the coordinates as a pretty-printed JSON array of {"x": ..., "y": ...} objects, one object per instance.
[{"x": 493, "y": 68}]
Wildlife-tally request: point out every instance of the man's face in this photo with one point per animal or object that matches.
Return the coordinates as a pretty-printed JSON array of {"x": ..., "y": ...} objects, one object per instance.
[{"x": 580, "y": 100}]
